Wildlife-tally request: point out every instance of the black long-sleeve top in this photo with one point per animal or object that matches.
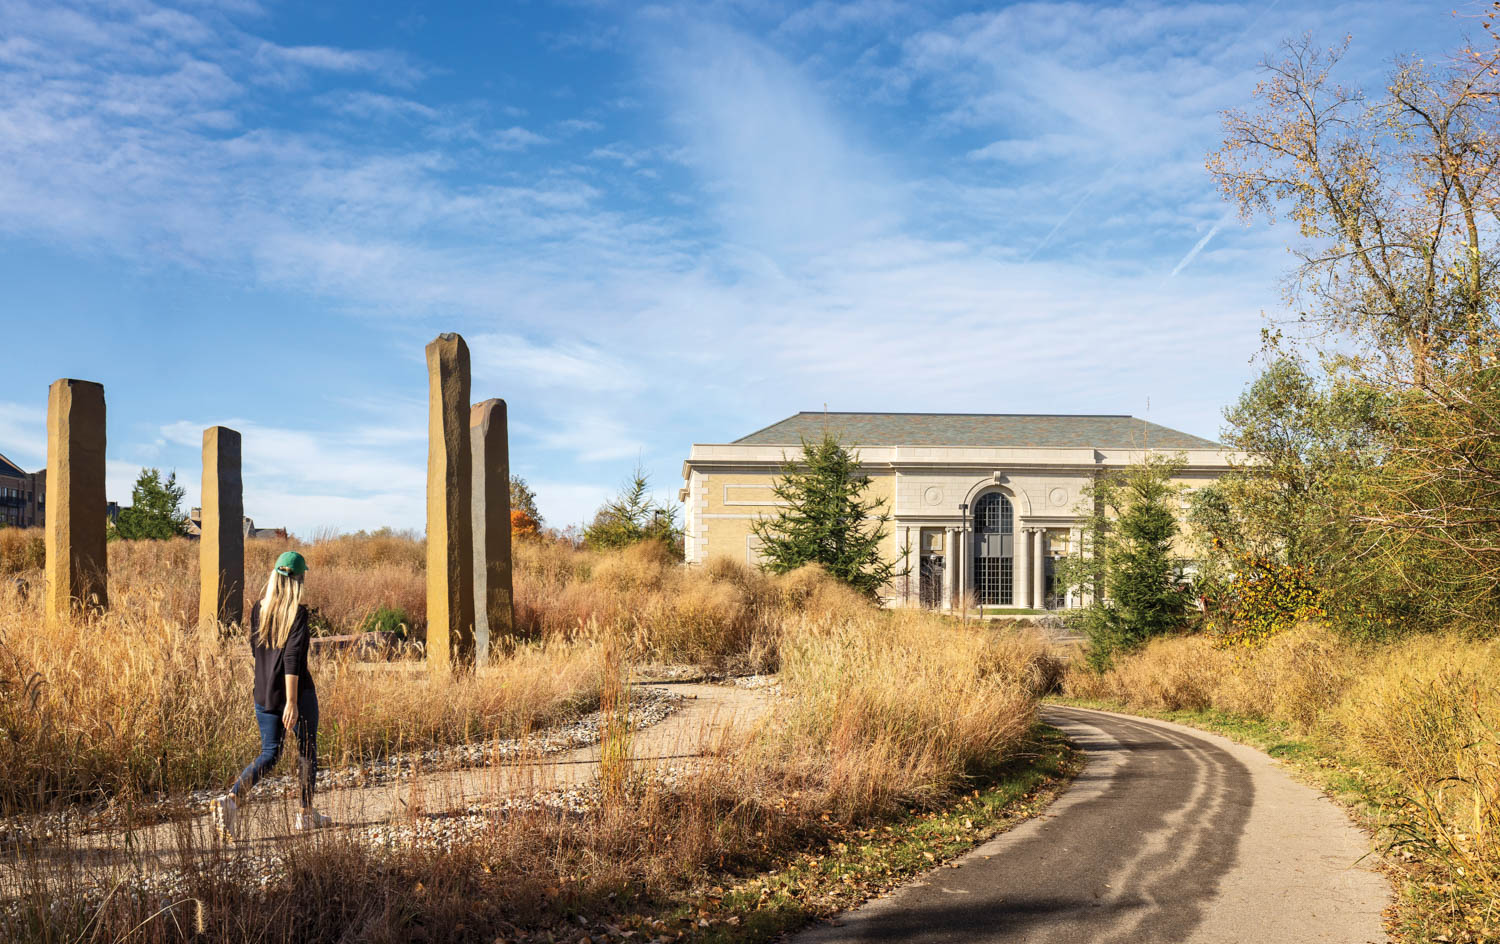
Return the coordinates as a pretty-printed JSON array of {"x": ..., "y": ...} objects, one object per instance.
[{"x": 272, "y": 664}]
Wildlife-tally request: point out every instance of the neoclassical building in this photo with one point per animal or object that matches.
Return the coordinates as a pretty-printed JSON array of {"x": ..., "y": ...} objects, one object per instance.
[{"x": 983, "y": 503}]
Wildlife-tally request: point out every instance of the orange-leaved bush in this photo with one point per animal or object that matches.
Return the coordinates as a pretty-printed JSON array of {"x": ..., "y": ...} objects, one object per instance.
[{"x": 523, "y": 525}]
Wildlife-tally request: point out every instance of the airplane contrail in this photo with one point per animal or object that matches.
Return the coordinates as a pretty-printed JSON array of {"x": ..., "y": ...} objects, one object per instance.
[
  {"x": 1197, "y": 248},
  {"x": 1069, "y": 215}
]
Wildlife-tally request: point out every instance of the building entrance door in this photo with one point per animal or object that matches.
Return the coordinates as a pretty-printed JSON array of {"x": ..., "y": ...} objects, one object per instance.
[
  {"x": 994, "y": 550},
  {"x": 931, "y": 586}
]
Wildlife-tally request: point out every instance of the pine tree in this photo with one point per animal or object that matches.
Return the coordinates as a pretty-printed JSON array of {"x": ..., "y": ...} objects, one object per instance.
[
  {"x": 826, "y": 520},
  {"x": 633, "y": 516},
  {"x": 1128, "y": 564},
  {"x": 155, "y": 511}
]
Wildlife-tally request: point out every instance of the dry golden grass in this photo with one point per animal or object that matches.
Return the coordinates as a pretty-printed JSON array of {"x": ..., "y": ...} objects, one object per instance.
[
  {"x": 882, "y": 712},
  {"x": 134, "y": 701},
  {"x": 137, "y": 699}
]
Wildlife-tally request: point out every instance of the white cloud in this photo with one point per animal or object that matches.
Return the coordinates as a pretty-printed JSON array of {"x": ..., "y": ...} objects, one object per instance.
[
  {"x": 308, "y": 479},
  {"x": 510, "y": 361},
  {"x": 566, "y": 503},
  {"x": 23, "y": 434},
  {"x": 812, "y": 243}
]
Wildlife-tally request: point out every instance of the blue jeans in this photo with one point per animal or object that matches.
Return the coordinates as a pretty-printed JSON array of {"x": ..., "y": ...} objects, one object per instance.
[{"x": 273, "y": 736}]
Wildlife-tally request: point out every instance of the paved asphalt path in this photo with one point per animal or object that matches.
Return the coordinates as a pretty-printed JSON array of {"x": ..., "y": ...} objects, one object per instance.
[{"x": 1170, "y": 834}]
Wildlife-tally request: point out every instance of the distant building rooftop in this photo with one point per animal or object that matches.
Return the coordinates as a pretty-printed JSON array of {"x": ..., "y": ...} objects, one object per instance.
[
  {"x": 8, "y": 467},
  {"x": 988, "y": 430}
]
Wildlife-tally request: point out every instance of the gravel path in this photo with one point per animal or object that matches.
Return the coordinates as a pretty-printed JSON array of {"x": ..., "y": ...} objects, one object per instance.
[{"x": 397, "y": 804}]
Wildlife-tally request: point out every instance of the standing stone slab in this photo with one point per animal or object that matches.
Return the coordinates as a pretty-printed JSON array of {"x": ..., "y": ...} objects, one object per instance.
[
  {"x": 77, "y": 560},
  {"x": 221, "y": 552},
  {"x": 494, "y": 614},
  {"x": 450, "y": 533}
]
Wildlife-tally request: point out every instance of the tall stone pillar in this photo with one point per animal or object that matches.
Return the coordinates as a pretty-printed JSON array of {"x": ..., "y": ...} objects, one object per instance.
[
  {"x": 450, "y": 532},
  {"x": 77, "y": 510},
  {"x": 494, "y": 608},
  {"x": 1075, "y": 551},
  {"x": 1039, "y": 570},
  {"x": 957, "y": 535},
  {"x": 911, "y": 539},
  {"x": 221, "y": 551},
  {"x": 1020, "y": 583},
  {"x": 950, "y": 568}
]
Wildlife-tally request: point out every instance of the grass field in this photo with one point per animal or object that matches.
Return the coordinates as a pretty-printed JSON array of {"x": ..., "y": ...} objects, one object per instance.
[{"x": 884, "y": 716}]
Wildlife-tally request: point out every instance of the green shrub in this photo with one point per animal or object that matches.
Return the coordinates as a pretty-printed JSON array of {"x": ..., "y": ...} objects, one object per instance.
[{"x": 387, "y": 619}]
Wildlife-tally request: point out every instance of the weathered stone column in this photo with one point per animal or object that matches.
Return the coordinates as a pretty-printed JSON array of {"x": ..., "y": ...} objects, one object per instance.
[
  {"x": 1039, "y": 570},
  {"x": 494, "y": 609},
  {"x": 221, "y": 552},
  {"x": 77, "y": 560},
  {"x": 450, "y": 533},
  {"x": 912, "y": 538},
  {"x": 1075, "y": 552},
  {"x": 950, "y": 568},
  {"x": 1020, "y": 578}
]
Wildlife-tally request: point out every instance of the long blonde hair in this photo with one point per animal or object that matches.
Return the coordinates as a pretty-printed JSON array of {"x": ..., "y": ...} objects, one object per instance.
[{"x": 278, "y": 608}]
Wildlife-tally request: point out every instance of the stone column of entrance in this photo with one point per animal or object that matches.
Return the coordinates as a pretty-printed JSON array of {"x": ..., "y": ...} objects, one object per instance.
[
  {"x": 77, "y": 510},
  {"x": 911, "y": 538},
  {"x": 961, "y": 572},
  {"x": 221, "y": 550},
  {"x": 494, "y": 608},
  {"x": 1039, "y": 570},
  {"x": 1020, "y": 582},
  {"x": 950, "y": 567},
  {"x": 450, "y": 532},
  {"x": 1075, "y": 550}
]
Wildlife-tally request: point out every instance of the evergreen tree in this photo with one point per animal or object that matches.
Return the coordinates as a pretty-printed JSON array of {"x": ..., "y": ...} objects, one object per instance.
[
  {"x": 633, "y": 516},
  {"x": 155, "y": 511},
  {"x": 1138, "y": 586},
  {"x": 826, "y": 520}
]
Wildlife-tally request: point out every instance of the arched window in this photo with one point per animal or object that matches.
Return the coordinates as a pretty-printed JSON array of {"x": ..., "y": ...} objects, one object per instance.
[
  {"x": 994, "y": 531},
  {"x": 993, "y": 515}
]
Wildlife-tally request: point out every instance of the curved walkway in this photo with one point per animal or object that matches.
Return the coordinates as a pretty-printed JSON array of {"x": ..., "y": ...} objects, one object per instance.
[{"x": 1169, "y": 834}]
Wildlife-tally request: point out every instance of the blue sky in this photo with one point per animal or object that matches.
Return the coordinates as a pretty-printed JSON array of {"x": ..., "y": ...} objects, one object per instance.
[{"x": 655, "y": 224}]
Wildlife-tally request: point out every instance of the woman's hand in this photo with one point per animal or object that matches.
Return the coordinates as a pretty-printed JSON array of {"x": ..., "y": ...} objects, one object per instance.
[{"x": 289, "y": 714}]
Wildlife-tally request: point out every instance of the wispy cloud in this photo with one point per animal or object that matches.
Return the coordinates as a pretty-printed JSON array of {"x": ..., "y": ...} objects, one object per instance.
[
  {"x": 23, "y": 433},
  {"x": 842, "y": 203}
]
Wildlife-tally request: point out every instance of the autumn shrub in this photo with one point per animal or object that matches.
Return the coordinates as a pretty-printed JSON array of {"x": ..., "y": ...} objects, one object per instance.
[{"x": 1266, "y": 597}]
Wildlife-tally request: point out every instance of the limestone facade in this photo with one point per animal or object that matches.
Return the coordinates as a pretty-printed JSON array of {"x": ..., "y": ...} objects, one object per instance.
[{"x": 974, "y": 524}]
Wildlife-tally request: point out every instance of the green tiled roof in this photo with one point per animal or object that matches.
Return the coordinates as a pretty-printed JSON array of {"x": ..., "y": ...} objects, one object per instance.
[{"x": 993, "y": 430}]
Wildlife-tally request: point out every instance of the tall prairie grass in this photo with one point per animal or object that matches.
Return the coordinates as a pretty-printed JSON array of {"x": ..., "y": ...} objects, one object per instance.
[
  {"x": 881, "y": 712},
  {"x": 1422, "y": 716},
  {"x": 138, "y": 699}
]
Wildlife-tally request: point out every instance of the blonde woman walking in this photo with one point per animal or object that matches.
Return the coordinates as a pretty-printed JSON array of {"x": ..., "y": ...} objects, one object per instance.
[{"x": 285, "y": 700}]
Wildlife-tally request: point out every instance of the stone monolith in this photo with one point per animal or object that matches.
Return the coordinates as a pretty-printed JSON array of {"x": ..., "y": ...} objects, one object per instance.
[
  {"x": 77, "y": 510},
  {"x": 221, "y": 552},
  {"x": 450, "y": 532},
  {"x": 494, "y": 615}
]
